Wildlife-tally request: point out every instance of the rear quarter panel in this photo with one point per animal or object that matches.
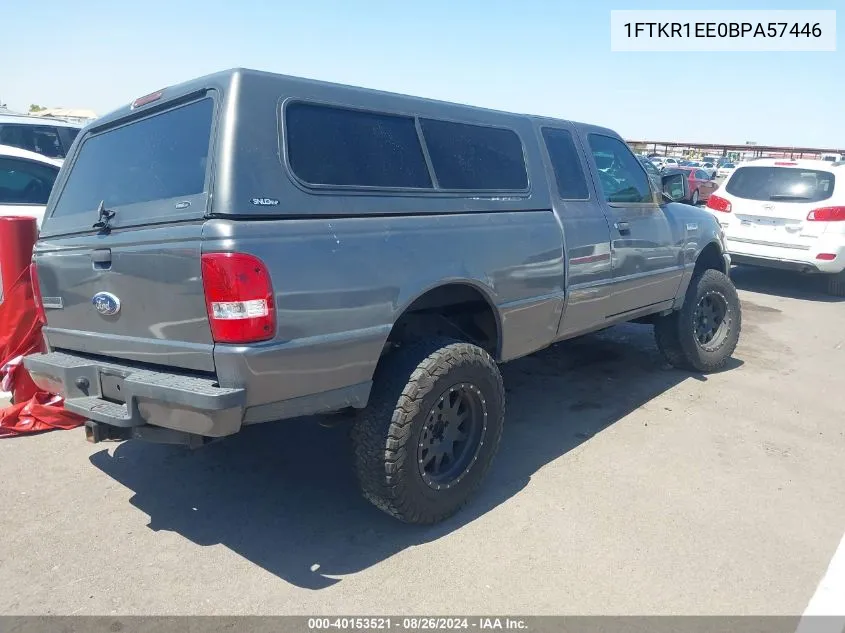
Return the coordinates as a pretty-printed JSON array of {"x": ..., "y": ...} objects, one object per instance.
[{"x": 340, "y": 285}]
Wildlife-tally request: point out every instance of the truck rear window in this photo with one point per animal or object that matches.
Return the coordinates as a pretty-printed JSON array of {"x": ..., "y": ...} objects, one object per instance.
[
  {"x": 786, "y": 184},
  {"x": 157, "y": 158}
]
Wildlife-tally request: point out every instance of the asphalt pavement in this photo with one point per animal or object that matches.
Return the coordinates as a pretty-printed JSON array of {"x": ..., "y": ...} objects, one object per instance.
[{"x": 623, "y": 486}]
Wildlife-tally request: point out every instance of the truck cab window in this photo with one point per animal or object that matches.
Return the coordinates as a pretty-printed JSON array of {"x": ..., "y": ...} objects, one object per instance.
[
  {"x": 571, "y": 184},
  {"x": 621, "y": 176}
]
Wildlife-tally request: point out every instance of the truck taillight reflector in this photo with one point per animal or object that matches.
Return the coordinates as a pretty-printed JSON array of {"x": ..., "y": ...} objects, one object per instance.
[
  {"x": 238, "y": 297},
  {"x": 717, "y": 203},
  {"x": 827, "y": 214},
  {"x": 36, "y": 294}
]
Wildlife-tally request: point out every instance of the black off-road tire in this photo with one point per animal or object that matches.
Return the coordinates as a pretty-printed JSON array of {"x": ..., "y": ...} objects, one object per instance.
[
  {"x": 836, "y": 284},
  {"x": 408, "y": 384},
  {"x": 675, "y": 333}
]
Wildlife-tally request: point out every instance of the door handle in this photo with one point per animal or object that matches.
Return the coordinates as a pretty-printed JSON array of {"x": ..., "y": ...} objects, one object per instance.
[
  {"x": 623, "y": 227},
  {"x": 101, "y": 258}
]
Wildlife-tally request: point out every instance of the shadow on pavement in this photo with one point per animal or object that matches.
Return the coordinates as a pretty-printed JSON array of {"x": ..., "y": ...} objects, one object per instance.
[
  {"x": 782, "y": 283},
  {"x": 283, "y": 495}
]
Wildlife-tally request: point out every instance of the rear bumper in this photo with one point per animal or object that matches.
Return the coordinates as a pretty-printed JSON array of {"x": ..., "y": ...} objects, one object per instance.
[
  {"x": 126, "y": 396},
  {"x": 787, "y": 256}
]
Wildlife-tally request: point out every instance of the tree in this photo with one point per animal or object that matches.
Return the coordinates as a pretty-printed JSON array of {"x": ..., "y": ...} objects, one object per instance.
[{"x": 36, "y": 108}]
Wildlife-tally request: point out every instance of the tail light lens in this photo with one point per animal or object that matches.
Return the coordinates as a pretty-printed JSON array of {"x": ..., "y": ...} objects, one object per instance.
[
  {"x": 141, "y": 101},
  {"x": 36, "y": 294},
  {"x": 718, "y": 203},
  {"x": 827, "y": 214},
  {"x": 238, "y": 297}
]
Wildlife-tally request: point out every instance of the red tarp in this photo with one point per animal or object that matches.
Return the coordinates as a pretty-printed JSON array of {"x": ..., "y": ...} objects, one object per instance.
[{"x": 20, "y": 334}]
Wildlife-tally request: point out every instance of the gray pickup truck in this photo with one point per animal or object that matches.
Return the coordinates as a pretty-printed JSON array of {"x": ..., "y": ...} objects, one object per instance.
[{"x": 248, "y": 247}]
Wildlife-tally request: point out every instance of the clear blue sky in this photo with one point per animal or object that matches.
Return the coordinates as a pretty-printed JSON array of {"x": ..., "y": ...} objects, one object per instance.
[{"x": 548, "y": 57}]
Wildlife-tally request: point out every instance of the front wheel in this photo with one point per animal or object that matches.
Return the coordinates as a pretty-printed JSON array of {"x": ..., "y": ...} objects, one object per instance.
[
  {"x": 704, "y": 333},
  {"x": 430, "y": 431}
]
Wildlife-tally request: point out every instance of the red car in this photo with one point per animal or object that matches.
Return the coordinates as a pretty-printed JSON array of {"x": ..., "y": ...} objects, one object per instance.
[{"x": 701, "y": 185}]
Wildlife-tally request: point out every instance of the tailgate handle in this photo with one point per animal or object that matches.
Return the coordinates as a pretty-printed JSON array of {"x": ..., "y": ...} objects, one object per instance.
[{"x": 101, "y": 257}]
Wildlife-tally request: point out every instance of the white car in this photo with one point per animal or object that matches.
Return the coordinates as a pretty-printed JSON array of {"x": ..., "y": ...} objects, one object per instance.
[
  {"x": 665, "y": 162},
  {"x": 26, "y": 179},
  {"x": 786, "y": 214},
  {"x": 49, "y": 137},
  {"x": 710, "y": 168},
  {"x": 725, "y": 170}
]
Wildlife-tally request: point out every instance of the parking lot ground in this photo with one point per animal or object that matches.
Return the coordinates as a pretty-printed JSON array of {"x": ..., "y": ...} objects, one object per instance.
[{"x": 622, "y": 487}]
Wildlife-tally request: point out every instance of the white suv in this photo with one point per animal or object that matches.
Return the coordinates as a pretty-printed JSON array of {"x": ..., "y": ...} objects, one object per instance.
[
  {"x": 49, "y": 137},
  {"x": 786, "y": 214}
]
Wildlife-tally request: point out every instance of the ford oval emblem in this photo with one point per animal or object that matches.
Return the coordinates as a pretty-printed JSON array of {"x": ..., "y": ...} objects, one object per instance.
[{"x": 106, "y": 303}]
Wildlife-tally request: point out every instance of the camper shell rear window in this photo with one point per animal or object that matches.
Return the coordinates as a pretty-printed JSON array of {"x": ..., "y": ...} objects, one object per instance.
[{"x": 131, "y": 167}]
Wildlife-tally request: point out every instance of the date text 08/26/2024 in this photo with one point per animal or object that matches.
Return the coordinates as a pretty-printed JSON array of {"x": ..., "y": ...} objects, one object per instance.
[
  {"x": 420, "y": 623},
  {"x": 722, "y": 29}
]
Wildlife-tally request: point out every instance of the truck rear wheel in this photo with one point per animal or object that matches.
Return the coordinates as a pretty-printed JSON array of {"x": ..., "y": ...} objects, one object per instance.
[
  {"x": 704, "y": 333},
  {"x": 430, "y": 431}
]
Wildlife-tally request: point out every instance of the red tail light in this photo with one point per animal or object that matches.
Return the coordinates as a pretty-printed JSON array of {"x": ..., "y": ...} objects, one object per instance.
[
  {"x": 717, "y": 203},
  {"x": 827, "y": 214},
  {"x": 238, "y": 297},
  {"x": 826, "y": 257},
  {"x": 36, "y": 294},
  {"x": 141, "y": 101}
]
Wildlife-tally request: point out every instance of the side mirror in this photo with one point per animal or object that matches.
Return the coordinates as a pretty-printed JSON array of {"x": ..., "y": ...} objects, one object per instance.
[{"x": 675, "y": 186}]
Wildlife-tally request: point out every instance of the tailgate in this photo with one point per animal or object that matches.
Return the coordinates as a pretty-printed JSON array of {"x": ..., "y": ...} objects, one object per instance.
[
  {"x": 136, "y": 295},
  {"x": 119, "y": 259}
]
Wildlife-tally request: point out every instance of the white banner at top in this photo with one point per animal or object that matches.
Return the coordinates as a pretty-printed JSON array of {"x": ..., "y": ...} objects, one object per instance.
[{"x": 714, "y": 30}]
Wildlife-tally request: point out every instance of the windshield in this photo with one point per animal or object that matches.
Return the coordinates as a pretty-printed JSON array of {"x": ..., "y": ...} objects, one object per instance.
[
  {"x": 781, "y": 183},
  {"x": 650, "y": 168},
  {"x": 728, "y": 165}
]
